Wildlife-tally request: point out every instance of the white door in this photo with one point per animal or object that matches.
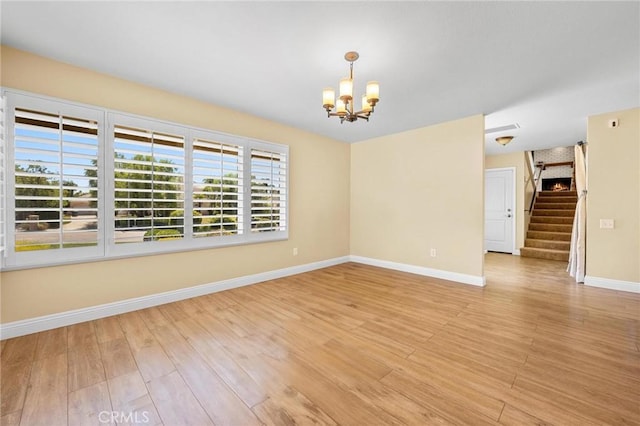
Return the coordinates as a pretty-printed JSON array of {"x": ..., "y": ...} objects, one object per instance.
[{"x": 499, "y": 210}]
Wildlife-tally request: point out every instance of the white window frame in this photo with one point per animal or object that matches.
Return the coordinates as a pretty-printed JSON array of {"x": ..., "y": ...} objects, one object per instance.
[
  {"x": 3, "y": 180},
  {"x": 53, "y": 256},
  {"x": 106, "y": 248},
  {"x": 145, "y": 247},
  {"x": 225, "y": 139},
  {"x": 261, "y": 146}
]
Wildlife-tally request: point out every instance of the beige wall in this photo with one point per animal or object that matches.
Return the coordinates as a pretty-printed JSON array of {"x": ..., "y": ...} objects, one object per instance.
[
  {"x": 613, "y": 172},
  {"x": 517, "y": 160},
  {"x": 418, "y": 190},
  {"x": 319, "y": 177},
  {"x": 391, "y": 198}
]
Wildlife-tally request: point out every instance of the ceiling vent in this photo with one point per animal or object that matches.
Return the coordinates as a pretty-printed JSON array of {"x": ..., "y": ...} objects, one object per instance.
[{"x": 502, "y": 128}]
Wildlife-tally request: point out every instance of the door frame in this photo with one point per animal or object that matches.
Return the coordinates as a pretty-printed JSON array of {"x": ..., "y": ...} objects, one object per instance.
[{"x": 515, "y": 251}]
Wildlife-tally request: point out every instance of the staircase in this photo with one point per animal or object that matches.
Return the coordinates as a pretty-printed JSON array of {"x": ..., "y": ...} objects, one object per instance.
[{"x": 549, "y": 234}]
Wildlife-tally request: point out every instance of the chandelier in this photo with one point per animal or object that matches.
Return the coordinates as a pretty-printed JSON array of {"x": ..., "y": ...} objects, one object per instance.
[{"x": 344, "y": 105}]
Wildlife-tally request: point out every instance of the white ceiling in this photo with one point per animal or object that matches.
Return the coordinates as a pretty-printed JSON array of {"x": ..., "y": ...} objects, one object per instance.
[{"x": 543, "y": 65}]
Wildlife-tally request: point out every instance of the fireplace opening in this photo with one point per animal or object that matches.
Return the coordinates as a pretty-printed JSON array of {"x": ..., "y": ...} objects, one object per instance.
[{"x": 556, "y": 184}]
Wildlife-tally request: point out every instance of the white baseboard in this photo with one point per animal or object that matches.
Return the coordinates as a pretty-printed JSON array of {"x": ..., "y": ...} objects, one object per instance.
[
  {"x": 421, "y": 270},
  {"x": 619, "y": 285},
  {"x": 48, "y": 322},
  {"x": 516, "y": 252}
]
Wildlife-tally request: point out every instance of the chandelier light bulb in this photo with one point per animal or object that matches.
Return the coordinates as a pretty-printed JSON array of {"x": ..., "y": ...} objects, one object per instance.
[
  {"x": 328, "y": 98},
  {"x": 373, "y": 92},
  {"x": 346, "y": 89}
]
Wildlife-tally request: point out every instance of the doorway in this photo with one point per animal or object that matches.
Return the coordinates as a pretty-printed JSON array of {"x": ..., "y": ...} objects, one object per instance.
[{"x": 499, "y": 210}]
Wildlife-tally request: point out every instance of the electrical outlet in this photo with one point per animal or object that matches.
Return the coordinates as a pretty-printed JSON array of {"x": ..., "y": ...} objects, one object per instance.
[
  {"x": 295, "y": 251},
  {"x": 433, "y": 252},
  {"x": 613, "y": 123},
  {"x": 606, "y": 223}
]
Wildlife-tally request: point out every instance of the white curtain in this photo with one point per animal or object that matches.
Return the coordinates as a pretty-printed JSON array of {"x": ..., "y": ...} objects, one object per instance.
[{"x": 577, "y": 253}]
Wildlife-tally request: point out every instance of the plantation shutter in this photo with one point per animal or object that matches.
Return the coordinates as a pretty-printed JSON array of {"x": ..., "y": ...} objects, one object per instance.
[
  {"x": 149, "y": 177},
  {"x": 56, "y": 180},
  {"x": 217, "y": 189},
  {"x": 3, "y": 211},
  {"x": 268, "y": 190},
  {"x": 82, "y": 183}
]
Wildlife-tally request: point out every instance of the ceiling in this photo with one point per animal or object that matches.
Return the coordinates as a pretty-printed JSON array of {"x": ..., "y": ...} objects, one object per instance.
[{"x": 543, "y": 65}]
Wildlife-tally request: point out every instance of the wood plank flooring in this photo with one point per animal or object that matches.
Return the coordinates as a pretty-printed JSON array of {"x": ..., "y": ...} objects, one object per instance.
[{"x": 346, "y": 345}]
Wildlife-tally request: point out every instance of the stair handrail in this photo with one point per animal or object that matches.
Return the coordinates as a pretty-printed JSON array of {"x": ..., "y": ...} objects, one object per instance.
[
  {"x": 536, "y": 179},
  {"x": 535, "y": 173}
]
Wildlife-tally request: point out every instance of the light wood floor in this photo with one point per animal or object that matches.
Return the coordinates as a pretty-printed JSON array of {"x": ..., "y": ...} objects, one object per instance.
[{"x": 350, "y": 345}]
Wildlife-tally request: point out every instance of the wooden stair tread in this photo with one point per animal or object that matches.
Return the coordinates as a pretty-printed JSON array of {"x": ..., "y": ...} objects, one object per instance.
[
  {"x": 550, "y": 227},
  {"x": 557, "y": 194},
  {"x": 547, "y": 244},
  {"x": 549, "y": 234},
  {"x": 557, "y": 220},
  {"x": 561, "y": 206},
  {"x": 558, "y": 199},
  {"x": 541, "y": 253},
  {"x": 553, "y": 212},
  {"x": 552, "y": 236},
  {"x": 545, "y": 250}
]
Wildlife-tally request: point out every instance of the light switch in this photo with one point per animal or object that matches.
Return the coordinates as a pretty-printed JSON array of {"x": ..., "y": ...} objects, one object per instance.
[{"x": 606, "y": 223}]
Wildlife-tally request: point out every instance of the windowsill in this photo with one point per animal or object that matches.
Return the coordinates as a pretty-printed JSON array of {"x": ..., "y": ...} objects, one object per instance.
[{"x": 171, "y": 250}]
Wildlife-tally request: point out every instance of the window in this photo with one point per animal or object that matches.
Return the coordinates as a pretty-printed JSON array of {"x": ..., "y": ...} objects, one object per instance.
[
  {"x": 55, "y": 180},
  {"x": 76, "y": 191},
  {"x": 149, "y": 169},
  {"x": 217, "y": 188},
  {"x": 52, "y": 183},
  {"x": 3, "y": 165},
  {"x": 268, "y": 190}
]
